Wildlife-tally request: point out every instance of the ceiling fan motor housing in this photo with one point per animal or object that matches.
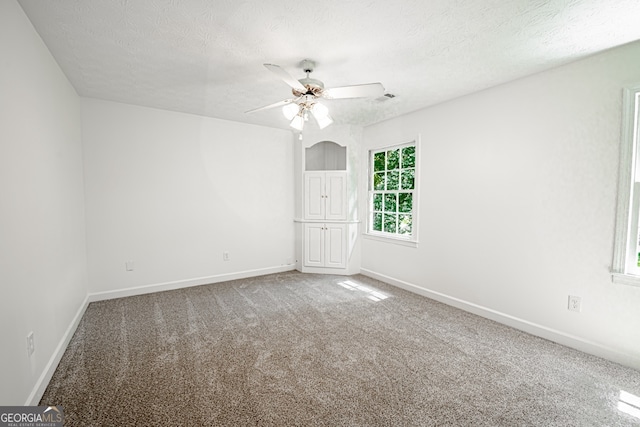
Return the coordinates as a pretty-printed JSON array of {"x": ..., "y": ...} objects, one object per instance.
[{"x": 314, "y": 87}]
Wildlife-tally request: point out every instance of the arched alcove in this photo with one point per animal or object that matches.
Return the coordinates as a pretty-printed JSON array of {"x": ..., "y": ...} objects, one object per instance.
[{"x": 325, "y": 155}]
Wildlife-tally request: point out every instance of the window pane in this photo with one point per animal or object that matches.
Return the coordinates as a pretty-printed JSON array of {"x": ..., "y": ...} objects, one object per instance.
[
  {"x": 404, "y": 224},
  {"x": 405, "y": 202},
  {"x": 377, "y": 202},
  {"x": 378, "y": 181},
  {"x": 378, "y": 161},
  {"x": 392, "y": 180},
  {"x": 377, "y": 222},
  {"x": 409, "y": 157},
  {"x": 390, "y": 202},
  {"x": 408, "y": 176},
  {"x": 390, "y": 223},
  {"x": 393, "y": 159}
]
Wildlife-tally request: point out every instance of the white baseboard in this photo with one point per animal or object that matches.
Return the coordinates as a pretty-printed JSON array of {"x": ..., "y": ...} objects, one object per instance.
[
  {"x": 550, "y": 334},
  {"x": 179, "y": 284},
  {"x": 50, "y": 368}
]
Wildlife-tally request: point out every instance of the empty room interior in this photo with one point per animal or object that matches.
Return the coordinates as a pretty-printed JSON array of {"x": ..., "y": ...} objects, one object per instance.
[{"x": 321, "y": 213}]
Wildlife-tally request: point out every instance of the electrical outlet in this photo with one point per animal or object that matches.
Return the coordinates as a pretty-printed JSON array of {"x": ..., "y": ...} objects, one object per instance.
[
  {"x": 31, "y": 344},
  {"x": 575, "y": 303},
  {"x": 225, "y": 256}
]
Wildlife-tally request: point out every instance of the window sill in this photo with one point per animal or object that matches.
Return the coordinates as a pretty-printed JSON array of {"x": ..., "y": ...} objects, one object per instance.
[
  {"x": 625, "y": 279},
  {"x": 387, "y": 239}
]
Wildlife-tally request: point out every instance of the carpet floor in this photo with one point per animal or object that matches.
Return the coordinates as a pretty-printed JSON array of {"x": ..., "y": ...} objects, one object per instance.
[{"x": 295, "y": 349}]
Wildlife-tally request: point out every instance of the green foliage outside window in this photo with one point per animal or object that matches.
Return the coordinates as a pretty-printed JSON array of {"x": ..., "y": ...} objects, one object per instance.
[
  {"x": 407, "y": 180},
  {"x": 377, "y": 221},
  {"x": 377, "y": 202},
  {"x": 393, "y": 159},
  {"x": 393, "y": 185},
  {"x": 390, "y": 202},
  {"x": 390, "y": 223},
  {"x": 379, "y": 161},
  {"x": 409, "y": 157},
  {"x": 405, "y": 202},
  {"x": 378, "y": 181},
  {"x": 393, "y": 180},
  {"x": 404, "y": 224}
]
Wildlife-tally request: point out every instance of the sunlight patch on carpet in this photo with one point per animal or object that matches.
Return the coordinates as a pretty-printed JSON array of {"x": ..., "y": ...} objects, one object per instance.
[
  {"x": 372, "y": 294},
  {"x": 629, "y": 404}
]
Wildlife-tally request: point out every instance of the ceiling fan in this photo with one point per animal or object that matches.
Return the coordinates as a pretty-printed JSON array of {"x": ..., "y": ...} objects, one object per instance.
[{"x": 307, "y": 92}]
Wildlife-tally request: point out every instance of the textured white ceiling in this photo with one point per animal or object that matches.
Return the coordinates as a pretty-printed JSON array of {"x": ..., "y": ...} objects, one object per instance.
[{"x": 205, "y": 56}]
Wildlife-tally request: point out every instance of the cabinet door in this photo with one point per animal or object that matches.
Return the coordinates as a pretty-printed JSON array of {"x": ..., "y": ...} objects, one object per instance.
[
  {"x": 335, "y": 246},
  {"x": 335, "y": 195},
  {"x": 314, "y": 200},
  {"x": 314, "y": 245}
]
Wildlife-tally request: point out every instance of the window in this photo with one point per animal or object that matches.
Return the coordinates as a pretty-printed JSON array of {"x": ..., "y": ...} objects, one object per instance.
[
  {"x": 392, "y": 196},
  {"x": 626, "y": 257}
]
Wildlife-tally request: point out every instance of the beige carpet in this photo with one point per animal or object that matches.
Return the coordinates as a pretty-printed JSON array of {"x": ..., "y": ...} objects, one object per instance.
[{"x": 304, "y": 350}]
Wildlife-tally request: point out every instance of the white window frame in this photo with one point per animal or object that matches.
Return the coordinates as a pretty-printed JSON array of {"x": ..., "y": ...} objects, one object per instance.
[
  {"x": 412, "y": 240},
  {"x": 624, "y": 269}
]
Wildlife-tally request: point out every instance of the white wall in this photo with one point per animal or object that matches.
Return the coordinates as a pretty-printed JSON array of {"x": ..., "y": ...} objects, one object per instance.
[
  {"x": 517, "y": 204},
  {"x": 43, "y": 276},
  {"x": 172, "y": 191}
]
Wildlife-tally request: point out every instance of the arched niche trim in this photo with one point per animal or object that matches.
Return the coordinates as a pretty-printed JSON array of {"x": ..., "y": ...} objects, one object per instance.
[{"x": 325, "y": 155}]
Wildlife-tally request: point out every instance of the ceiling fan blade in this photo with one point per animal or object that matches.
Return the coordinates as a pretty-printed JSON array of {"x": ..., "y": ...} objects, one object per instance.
[
  {"x": 286, "y": 77},
  {"x": 369, "y": 90},
  {"x": 274, "y": 105}
]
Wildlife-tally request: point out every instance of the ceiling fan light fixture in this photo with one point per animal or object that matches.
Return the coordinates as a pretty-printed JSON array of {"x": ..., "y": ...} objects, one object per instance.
[
  {"x": 324, "y": 121},
  {"x": 297, "y": 122},
  {"x": 319, "y": 109},
  {"x": 290, "y": 110},
  {"x": 321, "y": 114}
]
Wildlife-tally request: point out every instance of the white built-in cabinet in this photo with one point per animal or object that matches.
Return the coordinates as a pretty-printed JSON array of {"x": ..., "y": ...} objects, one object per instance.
[
  {"x": 326, "y": 233},
  {"x": 325, "y": 201},
  {"x": 325, "y": 195},
  {"x": 325, "y": 245}
]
